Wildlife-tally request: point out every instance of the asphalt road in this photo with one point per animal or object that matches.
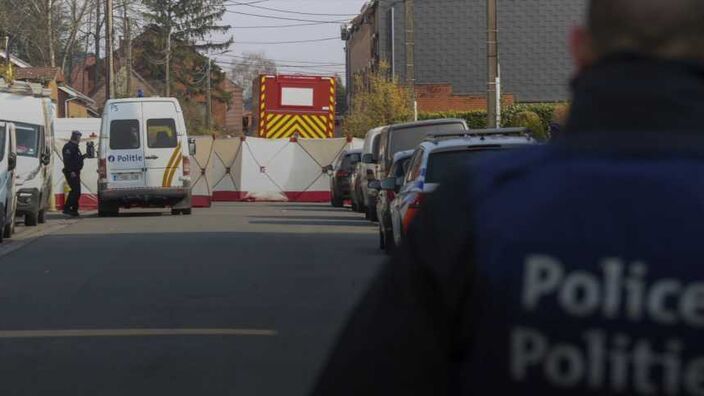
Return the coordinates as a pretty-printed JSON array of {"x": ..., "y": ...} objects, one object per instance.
[{"x": 238, "y": 299}]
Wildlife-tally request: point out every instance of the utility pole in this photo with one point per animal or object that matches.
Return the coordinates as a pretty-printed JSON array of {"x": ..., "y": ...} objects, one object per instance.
[
  {"x": 128, "y": 44},
  {"x": 410, "y": 54},
  {"x": 96, "y": 77},
  {"x": 493, "y": 96},
  {"x": 168, "y": 63},
  {"x": 209, "y": 98},
  {"x": 109, "y": 73}
]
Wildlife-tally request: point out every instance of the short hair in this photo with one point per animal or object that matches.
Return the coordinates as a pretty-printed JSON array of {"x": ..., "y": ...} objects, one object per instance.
[{"x": 659, "y": 28}]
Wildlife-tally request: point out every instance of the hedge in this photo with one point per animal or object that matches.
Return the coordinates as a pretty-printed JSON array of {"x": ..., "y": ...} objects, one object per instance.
[{"x": 509, "y": 116}]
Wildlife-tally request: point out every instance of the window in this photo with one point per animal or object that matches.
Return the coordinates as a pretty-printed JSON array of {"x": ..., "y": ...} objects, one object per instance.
[
  {"x": 2, "y": 142},
  {"x": 350, "y": 160},
  {"x": 161, "y": 133},
  {"x": 27, "y": 139},
  {"x": 442, "y": 164},
  {"x": 124, "y": 135},
  {"x": 409, "y": 137},
  {"x": 415, "y": 164},
  {"x": 299, "y": 97}
]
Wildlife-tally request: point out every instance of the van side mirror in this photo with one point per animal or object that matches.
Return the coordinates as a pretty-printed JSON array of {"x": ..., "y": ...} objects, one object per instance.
[
  {"x": 368, "y": 159},
  {"x": 191, "y": 146},
  {"x": 374, "y": 185},
  {"x": 11, "y": 161},
  {"x": 389, "y": 184},
  {"x": 46, "y": 157},
  {"x": 90, "y": 150}
]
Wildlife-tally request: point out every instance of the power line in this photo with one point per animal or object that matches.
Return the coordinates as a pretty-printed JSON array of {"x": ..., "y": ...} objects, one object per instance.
[
  {"x": 280, "y": 26},
  {"x": 288, "y": 11},
  {"x": 284, "y": 18},
  {"x": 287, "y": 60},
  {"x": 287, "y": 42}
]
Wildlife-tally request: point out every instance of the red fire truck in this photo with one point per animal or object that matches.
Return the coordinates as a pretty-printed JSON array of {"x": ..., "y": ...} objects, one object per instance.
[{"x": 292, "y": 105}]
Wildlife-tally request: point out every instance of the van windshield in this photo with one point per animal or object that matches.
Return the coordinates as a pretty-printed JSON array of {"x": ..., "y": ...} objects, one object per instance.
[
  {"x": 27, "y": 140},
  {"x": 408, "y": 138}
]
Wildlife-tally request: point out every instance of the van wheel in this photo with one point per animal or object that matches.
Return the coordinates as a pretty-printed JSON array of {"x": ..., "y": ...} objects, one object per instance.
[
  {"x": 336, "y": 202},
  {"x": 41, "y": 217},
  {"x": 175, "y": 212},
  {"x": 9, "y": 230},
  {"x": 2, "y": 221},
  {"x": 187, "y": 212},
  {"x": 31, "y": 219}
]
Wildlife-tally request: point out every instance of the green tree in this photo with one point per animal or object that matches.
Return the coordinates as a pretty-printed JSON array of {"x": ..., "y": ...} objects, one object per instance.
[
  {"x": 532, "y": 121},
  {"x": 185, "y": 23},
  {"x": 378, "y": 100}
]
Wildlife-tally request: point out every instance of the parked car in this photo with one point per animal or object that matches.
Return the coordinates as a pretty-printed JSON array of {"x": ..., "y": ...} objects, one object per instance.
[
  {"x": 340, "y": 182},
  {"x": 8, "y": 195},
  {"x": 385, "y": 193},
  {"x": 365, "y": 172},
  {"x": 143, "y": 156},
  {"x": 437, "y": 157},
  {"x": 29, "y": 107}
]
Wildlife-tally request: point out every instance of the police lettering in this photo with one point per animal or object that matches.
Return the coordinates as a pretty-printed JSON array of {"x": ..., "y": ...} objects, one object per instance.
[
  {"x": 595, "y": 358},
  {"x": 620, "y": 291}
]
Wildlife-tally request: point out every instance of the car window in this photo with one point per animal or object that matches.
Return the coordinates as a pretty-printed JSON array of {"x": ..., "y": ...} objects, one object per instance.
[
  {"x": 124, "y": 135},
  {"x": 27, "y": 139},
  {"x": 408, "y": 138},
  {"x": 350, "y": 161},
  {"x": 161, "y": 133},
  {"x": 441, "y": 164},
  {"x": 2, "y": 142},
  {"x": 415, "y": 165}
]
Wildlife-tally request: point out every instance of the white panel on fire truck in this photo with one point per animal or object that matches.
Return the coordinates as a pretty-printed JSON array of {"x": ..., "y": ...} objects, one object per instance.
[{"x": 297, "y": 97}]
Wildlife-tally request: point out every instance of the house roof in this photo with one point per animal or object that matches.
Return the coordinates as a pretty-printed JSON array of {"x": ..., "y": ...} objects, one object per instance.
[
  {"x": 74, "y": 93},
  {"x": 15, "y": 60},
  {"x": 39, "y": 74}
]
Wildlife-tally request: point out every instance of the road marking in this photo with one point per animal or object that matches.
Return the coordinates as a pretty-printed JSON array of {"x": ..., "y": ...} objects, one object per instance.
[{"x": 8, "y": 334}]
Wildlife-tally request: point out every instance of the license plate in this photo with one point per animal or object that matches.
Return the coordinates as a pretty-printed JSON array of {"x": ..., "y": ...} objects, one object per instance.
[{"x": 126, "y": 177}]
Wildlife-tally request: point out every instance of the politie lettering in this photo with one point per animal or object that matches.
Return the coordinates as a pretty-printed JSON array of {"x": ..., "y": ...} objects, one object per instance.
[
  {"x": 620, "y": 290},
  {"x": 125, "y": 158}
]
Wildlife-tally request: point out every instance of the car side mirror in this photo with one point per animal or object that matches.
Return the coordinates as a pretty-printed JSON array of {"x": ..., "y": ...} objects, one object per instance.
[
  {"x": 327, "y": 169},
  {"x": 388, "y": 184},
  {"x": 90, "y": 150},
  {"x": 191, "y": 146},
  {"x": 368, "y": 159},
  {"x": 374, "y": 185},
  {"x": 11, "y": 161}
]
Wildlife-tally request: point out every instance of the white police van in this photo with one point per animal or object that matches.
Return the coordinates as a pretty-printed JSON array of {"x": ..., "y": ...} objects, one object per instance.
[
  {"x": 29, "y": 107},
  {"x": 8, "y": 163},
  {"x": 144, "y": 156}
]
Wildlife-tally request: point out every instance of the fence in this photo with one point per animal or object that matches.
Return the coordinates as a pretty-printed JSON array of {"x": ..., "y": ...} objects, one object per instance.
[{"x": 240, "y": 169}]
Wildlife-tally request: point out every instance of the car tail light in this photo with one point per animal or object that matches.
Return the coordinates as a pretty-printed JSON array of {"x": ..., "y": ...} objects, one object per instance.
[
  {"x": 186, "y": 166},
  {"x": 342, "y": 173},
  {"x": 412, "y": 212},
  {"x": 103, "y": 169}
]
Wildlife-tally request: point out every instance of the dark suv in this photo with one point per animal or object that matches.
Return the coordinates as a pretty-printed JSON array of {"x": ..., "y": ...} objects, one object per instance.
[{"x": 340, "y": 182}]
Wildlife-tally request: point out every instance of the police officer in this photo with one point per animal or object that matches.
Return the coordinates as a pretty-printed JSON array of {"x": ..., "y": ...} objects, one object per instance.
[
  {"x": 573, "y": 268},
  {"x": 73, "y": 164}
]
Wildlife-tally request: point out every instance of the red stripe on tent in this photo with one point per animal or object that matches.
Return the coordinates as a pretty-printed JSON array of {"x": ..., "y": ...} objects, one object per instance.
[
  {"x": 87, "y": 201},
  {"x": 292, "y": 196},
  {"x": 201, "y": 201}
]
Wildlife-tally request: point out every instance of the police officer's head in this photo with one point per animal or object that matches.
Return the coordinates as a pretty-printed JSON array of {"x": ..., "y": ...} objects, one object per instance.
[
  {"x": 665, "y": 29},
  {"x": 76, "y": 136}
]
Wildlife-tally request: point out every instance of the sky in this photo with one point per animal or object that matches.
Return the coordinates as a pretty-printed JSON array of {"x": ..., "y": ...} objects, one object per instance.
[{"x": 318, "y": 57}]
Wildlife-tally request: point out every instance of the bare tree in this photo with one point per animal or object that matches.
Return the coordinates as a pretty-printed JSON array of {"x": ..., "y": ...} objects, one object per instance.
[{"x": 246, "y": 70}]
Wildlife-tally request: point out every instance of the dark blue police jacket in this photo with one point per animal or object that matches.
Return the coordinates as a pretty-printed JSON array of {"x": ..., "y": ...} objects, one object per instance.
[{"x": 574, "y": 268}]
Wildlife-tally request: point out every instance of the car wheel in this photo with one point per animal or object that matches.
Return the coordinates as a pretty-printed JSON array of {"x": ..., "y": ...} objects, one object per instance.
[
  {"x": 389, "y": 244},
  {"x": 9, "y": 229},
  {"x": 382, "y": 243},
  {"x": 31, "y": 219},
  {"x": 2, "y": 221},
  {"x": 335, "y": 201},
  {"x": 187, "y": 212},
  {"x": 41, "y": 216},
  {"x": 371, "y": 215}
]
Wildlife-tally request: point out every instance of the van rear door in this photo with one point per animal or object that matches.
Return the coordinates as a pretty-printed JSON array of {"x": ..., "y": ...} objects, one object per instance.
[
  {"x": 125, "y": 154},
  {"x": 163, "y": 150}
]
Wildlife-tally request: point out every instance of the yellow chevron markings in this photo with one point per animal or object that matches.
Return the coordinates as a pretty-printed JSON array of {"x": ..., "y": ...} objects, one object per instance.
[
  {"x": 171, "y": 167},
  {"x": 306, "y": 126}
]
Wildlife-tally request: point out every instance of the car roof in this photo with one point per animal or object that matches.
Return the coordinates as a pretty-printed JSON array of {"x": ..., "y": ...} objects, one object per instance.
[
  {"x": 375, "y": 131},
  {"x": 401, "y": 155},
  {"x": 151, "y": 99},
  {"x": 433, "y": 144},
  {"x": 440, "y": 121},
  {"x": 353, "y": 151}
]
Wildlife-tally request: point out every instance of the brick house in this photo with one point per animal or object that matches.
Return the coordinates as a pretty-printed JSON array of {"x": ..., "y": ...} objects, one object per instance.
[{"x": 450, "y": 49}]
